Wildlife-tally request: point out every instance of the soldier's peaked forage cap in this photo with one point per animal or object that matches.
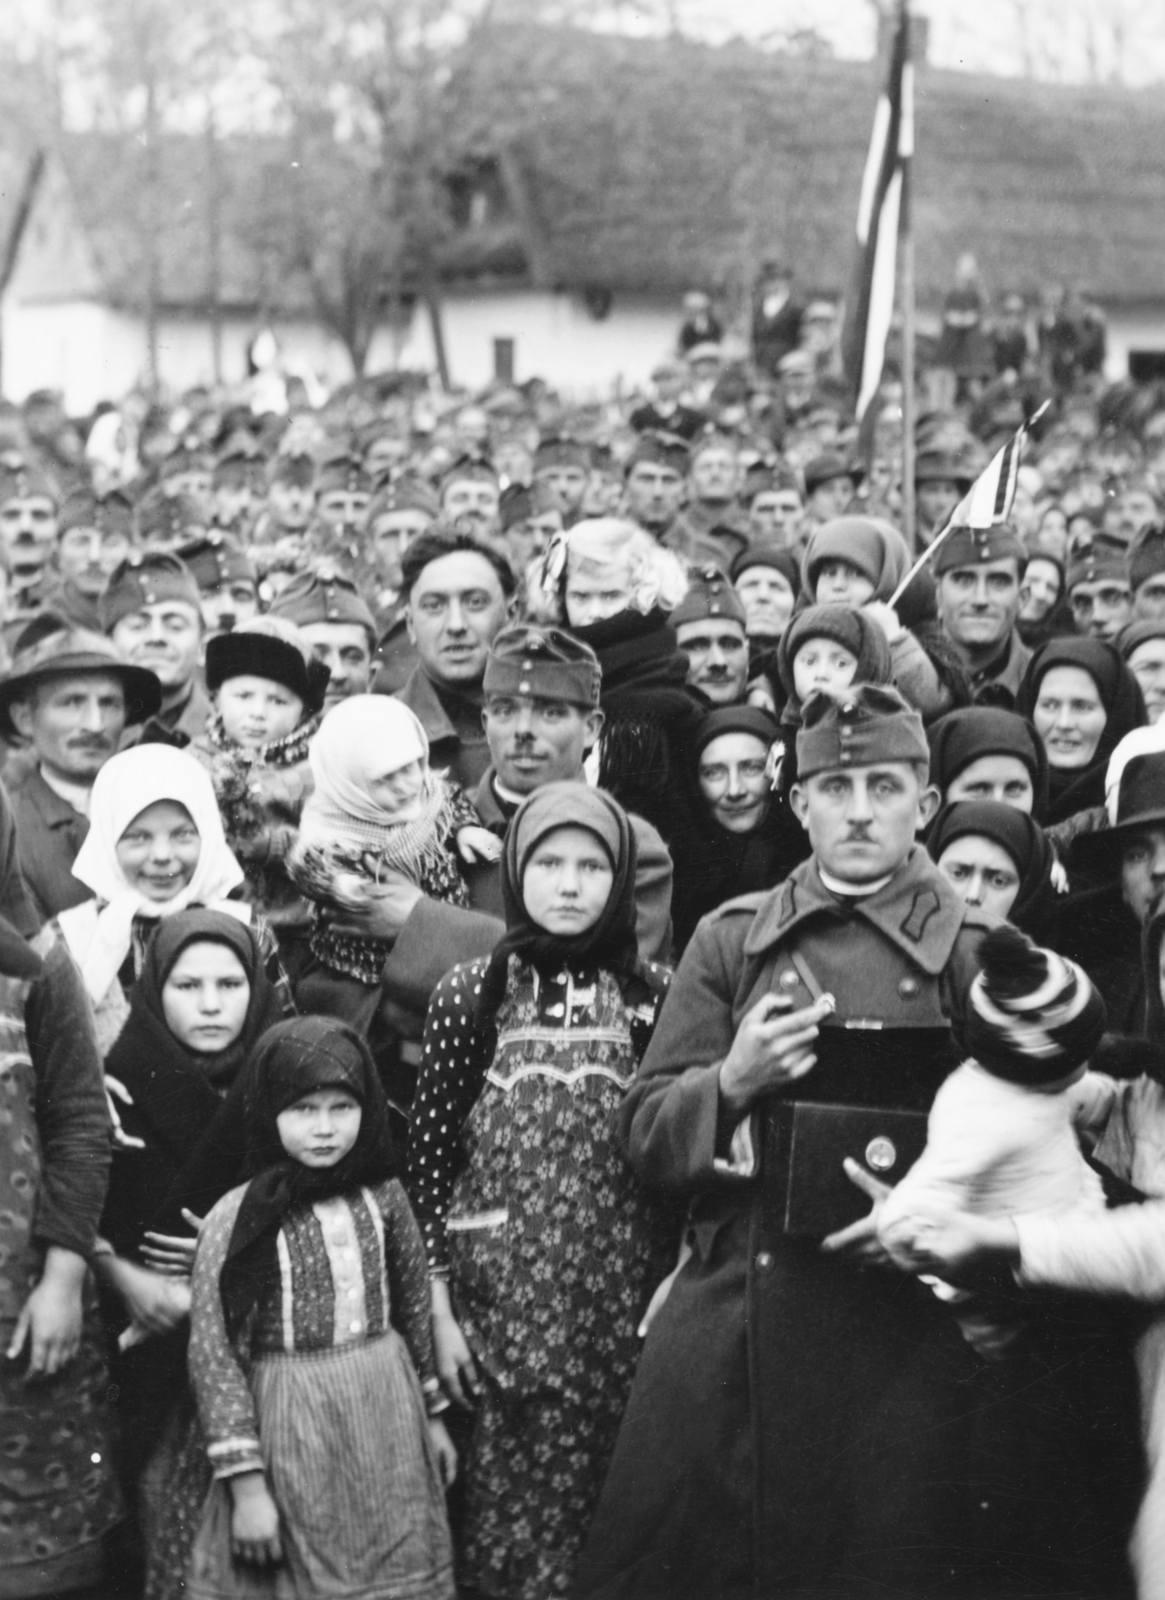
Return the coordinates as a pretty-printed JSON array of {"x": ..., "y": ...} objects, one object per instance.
[
  {"x": 319, "y": 597},
  {"x": 143, "y": 580},
  {"x": 545, "y": 663},
  {"x": 709, "y": 595},
  {"x": 973, "y": 547},
  {"x": 867, "y": 725},
  {"x": 217, "y": 559}
]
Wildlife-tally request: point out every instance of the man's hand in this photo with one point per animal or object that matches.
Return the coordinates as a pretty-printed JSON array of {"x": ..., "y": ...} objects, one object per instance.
[
  {"x": 860, "y": 1240},
  {"x": 50, "y": 1320},
  {"x": 773, "y": 1048},
  {"x": 388, "y": 908}
]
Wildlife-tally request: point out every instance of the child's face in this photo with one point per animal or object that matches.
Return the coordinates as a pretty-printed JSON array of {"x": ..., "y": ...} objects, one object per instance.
[
  {"x": 205, "y": 997},
  {"x": 159, "y": 850},
  {"x": 257, "y": 711},
  {"x": 319, "y": 1130},
  {"x": 399, "y": 791},
  {"x": 823, "y": 664},
  {"x": 567, "y": 881},
  {"x": 840, "y": 584}
]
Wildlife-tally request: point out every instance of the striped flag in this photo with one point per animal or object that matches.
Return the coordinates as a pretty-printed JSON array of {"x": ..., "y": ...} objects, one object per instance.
[{"x": 883, "y": 205}]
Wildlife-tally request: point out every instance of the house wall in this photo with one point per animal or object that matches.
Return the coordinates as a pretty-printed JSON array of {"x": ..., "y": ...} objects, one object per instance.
[
  {"x": 1132, "y": 327},
  {"x": 554, "y": 335}
]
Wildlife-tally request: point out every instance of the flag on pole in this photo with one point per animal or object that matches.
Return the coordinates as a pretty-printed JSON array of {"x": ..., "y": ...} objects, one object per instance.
[
  {"x": 870, "y": 301},
  {"x": 987, "y": 502}
]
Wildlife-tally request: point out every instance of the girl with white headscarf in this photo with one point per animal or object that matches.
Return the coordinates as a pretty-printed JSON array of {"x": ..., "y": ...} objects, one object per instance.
[{"x": 377, "y": 810}]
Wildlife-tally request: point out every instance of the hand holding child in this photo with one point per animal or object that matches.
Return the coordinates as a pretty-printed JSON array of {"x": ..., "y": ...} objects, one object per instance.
[{"x": 478, "y": 844}]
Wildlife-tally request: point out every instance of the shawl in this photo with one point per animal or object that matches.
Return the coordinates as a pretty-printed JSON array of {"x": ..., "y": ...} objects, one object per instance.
[
  {"x": 968, "y": 734},
  {"x": 1022, "y": 839},
  {"x": 293, "y": 1059},
  {"x": 1079, "y": 788},
  {"x": 98, "y": 932},
  {"x": 611, "y": 942}
]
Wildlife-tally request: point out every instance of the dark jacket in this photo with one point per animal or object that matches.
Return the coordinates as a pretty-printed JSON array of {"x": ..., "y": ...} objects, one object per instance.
[
  {"x": 49, "y": 833},
  {"x": 452, "y": 722},
  {"x": 166, "y": 728}
]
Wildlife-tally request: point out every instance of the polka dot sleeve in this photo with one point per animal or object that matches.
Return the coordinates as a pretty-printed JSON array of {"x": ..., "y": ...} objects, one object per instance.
[{"x": 452, "y": 1072}]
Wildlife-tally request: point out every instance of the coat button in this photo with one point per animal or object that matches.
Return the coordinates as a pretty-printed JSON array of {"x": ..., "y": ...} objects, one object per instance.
[
  {"x": 788, "y": 979},
  {"x": 908, "y": 988},
  {"x": 764, "y": 1261}
]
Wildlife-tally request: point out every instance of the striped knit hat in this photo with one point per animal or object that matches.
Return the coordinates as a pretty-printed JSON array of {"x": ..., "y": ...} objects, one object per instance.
[{"x": 1032, "y": 1017}]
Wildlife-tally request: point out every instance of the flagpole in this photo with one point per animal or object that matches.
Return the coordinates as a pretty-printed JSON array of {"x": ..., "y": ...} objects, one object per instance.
[{"x": 906, "y": 236}]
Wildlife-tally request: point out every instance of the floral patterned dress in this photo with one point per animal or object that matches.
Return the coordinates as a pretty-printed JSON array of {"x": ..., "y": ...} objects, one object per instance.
[{"x": 551, "y": 1251}]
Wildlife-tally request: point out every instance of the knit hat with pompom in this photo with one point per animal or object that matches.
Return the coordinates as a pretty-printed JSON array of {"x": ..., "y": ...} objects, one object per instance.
[{"x": 1033, "y": 1017}]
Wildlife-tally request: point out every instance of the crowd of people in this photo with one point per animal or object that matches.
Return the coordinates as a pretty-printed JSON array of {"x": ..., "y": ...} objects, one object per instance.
[{"x": 571, "y": 1028}]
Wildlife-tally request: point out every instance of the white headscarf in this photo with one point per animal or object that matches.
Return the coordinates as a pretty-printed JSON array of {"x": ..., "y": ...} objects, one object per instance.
[
  {"x": 99, "y": 936},
  {"x": 360, "y": 741}
]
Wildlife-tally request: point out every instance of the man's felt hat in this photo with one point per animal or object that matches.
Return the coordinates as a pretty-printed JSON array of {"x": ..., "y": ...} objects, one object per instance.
[
  {"x": 869, "y": 724},
  {"x": 50, "y": 647},
  {"x": 144, "y": 579},
  {"x": 828, "y": 466},
  {"x": 1140, "y": 803},
  {"x": 543, "y": 662}
]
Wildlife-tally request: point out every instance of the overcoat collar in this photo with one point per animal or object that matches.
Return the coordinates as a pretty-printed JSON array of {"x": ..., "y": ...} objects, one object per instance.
[{"x": 917, "y": 910}]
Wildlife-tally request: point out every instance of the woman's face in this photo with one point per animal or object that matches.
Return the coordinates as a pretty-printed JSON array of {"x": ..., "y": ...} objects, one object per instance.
[
  {"x": 995, "y": 777},
  {"x": 1039, "y": 589},
  {"x": 567, "y": 881},
  {"x": 823, "y": 664},
  {"x": 319, "y": 1130},
  {"x": 1052, "y": 534},
  {"x": 840, "y": 584},
  {"x": 592, "y": 596},
  {"x": 258, "y": 711},
  {"x": 767, "y": 599},
  {"x": 159, "y": 850},
  {"x": 1069, "y": 716},
  {"x": 205, "y": 997},
  {"x": 982, "y": 872},
  {"x": 734, "y": 781},
  {"x": 400, "y": 789}
]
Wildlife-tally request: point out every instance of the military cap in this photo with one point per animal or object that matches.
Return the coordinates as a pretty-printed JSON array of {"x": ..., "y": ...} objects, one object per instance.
[
  {"x": 183, "y": 459},
  {"x": 544, "y": 662},
  {"x": 973, "y": 547},
  {"x": 344, "y": 473},
  {"x": 1101, "y": 562},
  {"x": 21, "y": 479},
  {"x": 111, "y": 514},
  {"x": 867, "y": 725},
  {"x": 519, "y": 503},
  {"x": 50, "y": 647},
  {"x": 559, "y": 451},
  {"x": 1147, "y": 557},
  {"x": 942, "y": 466},
  {"x": 468, "y": 466},
  {"x": 828, "y": 466},
  {"x": 298, "y": 470},
  {"x": 216, "y": 559},
  {"x": 170, "y": 517},
  {"x": 406, "y": 494},
  {"x": 319, "y": 597},
  {"x": 710, "y": 594},
  {"x": 661, "y": 450},
  {"x": 240, "y": 461},
  {"x": 143, "y": 579}
]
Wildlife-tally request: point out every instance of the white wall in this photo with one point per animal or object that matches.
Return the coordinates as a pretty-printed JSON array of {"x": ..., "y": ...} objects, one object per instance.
[
  {"x": 1132, "y": 328},
  {"x": 554, "y": 337}
]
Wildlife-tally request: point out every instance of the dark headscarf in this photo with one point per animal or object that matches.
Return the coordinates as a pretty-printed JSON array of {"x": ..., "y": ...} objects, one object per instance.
[
  {"x": 611, "y": 942},
  {"x": 293, "y": 1059},
  {"x": 18, "y": 921},
  {"x": 1078, "y": 788},
  {"x": 972, "y": 732},
  {"x": 1023, "y": 840},
  {"x": 846, "y": 626},
  {"x": 1058, "y": 621}
]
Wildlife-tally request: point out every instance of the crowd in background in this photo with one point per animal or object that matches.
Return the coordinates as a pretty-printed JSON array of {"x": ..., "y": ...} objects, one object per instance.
[{"x": 403, "y": 795}]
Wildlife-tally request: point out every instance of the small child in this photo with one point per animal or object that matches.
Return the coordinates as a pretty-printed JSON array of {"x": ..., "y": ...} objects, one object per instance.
[
  {"x": 378, "y": 811},
  {"x": 830, "y": 647},
  {"x": 268, "y": 691},
  {"x": 1001, "y": 1136},
  {"x": 311, "y": 1349}
]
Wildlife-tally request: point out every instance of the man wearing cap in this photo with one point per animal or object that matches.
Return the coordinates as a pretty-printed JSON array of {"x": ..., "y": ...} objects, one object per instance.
[
  {"x": 711, "y": 528},
  {"x": 28, "y": 526},
  {"x": 288, "y": 505},
  {"x": 564, "y": 467},
  {"x": 238, "y": 484},
  {"x": 458, "y": 595},
  {"x": 797, "y": 1418},
  {"x": 470, "y": 490},
  {"x": 94, "y": 537},
  {"x": 188, "y": 472},
  {"x": 153, "y": 613},
  {"x": 977, "y": 571},
  {"x": 70, "y": 695},
  {"x": 343, "y": 493},
  {"x": 331, "y": 615},
  {"x": 530, "y": 517},
  {"x": 796, "y": 382},
  {"x": 654, "y": 481},
  {"x": 666, "y": 411},
  {"x": 1147, "y": 574},
  {"x": 167, "y": 522},
  {"x": 227, "y": 587},
  {"x": 776, "y": 507},
  {"x": 940, "y": 482},
  {"x": 776, "y": 317},
  {"x": 830, "y": 485},
  {"x": 1099, "y": 591},
  {"x": 710, "y": 625}
]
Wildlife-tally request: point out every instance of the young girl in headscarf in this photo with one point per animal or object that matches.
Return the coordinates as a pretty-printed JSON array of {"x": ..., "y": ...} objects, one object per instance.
[
  {"x": 199, "y": 1007},
  {"x": 542, "y": 1250},
  {"x": 311, "y": 1348},
  {"x": 155, "y": 846},
  {"x": 377, "y": 811}
]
